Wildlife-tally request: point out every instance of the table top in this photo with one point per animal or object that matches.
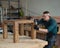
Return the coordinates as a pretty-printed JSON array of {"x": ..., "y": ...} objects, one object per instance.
[
  {"x": 25, "y": 42},
  {"x": 19, "y": 21}
]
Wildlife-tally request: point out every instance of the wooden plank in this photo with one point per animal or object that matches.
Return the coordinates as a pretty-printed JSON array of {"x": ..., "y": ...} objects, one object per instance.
[
  {"x": 5, "y": 33},
  {"x": 33, "y": 32},
  {"x": 16, "y": 33},
  {"x": 22, "y": 29},
  {"x": 25, "y": 42}
]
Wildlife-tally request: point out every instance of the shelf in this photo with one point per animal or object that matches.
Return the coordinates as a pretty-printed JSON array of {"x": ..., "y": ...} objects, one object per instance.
[
  {"x": 11, "y": 10},
  {"x": 14, "y": 8}
]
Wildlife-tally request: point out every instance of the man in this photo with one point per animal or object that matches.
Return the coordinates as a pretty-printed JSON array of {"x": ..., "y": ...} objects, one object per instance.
[{"x": 50, "y": 28}]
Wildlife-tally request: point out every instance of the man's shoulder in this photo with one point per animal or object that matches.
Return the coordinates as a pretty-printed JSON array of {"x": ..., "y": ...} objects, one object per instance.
[
  {"x": 53, "y": 21},
  {"x": 41, "y": 19}
]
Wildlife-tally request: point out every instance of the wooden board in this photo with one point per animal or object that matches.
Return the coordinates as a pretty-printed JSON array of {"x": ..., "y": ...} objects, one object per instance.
[{"x": 25, "y": 42}]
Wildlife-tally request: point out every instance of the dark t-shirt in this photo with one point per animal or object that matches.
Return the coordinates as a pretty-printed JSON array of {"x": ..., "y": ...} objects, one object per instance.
[{"x": 51, "y": 25}]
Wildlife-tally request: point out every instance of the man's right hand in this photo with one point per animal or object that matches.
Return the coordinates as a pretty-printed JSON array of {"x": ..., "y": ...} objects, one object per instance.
[{"x": 36, "y": 27}]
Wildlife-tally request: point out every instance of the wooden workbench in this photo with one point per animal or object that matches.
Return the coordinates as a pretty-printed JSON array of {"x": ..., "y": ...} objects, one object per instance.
[
  {"x": 16, "y": 28},
  {"x": 25, "y": 42}
]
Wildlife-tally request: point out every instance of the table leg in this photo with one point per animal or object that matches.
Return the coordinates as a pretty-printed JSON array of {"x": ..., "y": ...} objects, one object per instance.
[
  {"x": 33, "y": 32},
  {"x": 5, "y": 33},
  {"x": 22, "y": 29},
  {"x": 16, "y": 33}
]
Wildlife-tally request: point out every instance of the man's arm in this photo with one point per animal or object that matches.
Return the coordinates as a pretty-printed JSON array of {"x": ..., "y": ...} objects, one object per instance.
[
  {"x": 50, "y": 28},
  {"x": 43, "y": 30}
]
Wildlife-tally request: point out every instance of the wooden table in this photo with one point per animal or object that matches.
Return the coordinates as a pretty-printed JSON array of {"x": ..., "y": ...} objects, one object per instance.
[
  {"x": 25, "y": 42},
  {"x": 16, "y": 29}
]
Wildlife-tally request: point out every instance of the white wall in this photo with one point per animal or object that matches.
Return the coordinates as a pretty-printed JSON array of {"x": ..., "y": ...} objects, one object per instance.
[{"x": 36, "y": 7}]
